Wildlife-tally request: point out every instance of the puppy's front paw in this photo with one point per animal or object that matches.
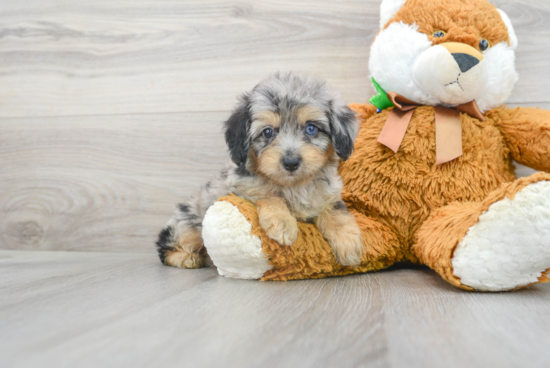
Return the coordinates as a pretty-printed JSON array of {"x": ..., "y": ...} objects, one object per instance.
[
  {"x": 348, "y": 249},
  {"x": 347, "y": 245},
  {"x": 283, "y": 228}
]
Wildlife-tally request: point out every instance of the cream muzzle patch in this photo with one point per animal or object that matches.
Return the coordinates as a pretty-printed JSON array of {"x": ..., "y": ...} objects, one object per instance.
[{"x": 454, "y": 73}]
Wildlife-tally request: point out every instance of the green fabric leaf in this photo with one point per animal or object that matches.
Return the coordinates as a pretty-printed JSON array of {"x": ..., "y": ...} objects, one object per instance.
[{"x": 381, "y": 100}]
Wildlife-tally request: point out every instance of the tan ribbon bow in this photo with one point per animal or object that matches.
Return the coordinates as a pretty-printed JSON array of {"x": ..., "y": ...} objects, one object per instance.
[{"x": 448, "y": 126}]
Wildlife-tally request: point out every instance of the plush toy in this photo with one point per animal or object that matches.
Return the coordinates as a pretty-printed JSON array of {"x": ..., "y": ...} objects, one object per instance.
[{"x": 431, "y": 180}]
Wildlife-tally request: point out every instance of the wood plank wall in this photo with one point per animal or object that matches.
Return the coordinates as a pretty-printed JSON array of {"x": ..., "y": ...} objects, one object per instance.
[{"x": 111, "y": 111}]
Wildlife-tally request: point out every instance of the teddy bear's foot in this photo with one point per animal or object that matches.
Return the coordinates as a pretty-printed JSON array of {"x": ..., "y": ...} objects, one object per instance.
[
  {"x": 509, "y": 246},
  {"x": 234, "y": 250}
]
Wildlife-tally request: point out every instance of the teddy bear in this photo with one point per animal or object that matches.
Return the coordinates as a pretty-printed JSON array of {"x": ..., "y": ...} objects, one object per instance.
[{"x": 431, "y": 180}]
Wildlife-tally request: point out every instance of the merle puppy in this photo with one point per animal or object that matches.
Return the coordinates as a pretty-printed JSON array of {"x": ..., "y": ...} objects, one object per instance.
[{"x": 286, "y": 138}]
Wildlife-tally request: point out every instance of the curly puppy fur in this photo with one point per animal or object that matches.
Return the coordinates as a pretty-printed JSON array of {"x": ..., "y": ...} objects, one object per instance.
[{"x": 286, "y": 138}]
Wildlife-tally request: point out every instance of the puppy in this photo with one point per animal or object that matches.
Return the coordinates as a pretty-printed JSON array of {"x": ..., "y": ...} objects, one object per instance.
[{"x": 286, "y": 138}]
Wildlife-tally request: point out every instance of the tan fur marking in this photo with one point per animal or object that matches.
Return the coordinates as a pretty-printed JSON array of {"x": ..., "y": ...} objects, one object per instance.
[
  {"x": 313, "y": 157},
  {"x": 269, "y": 118},
  {"x": 330, "y": 152},
  {"x": 343, "y": 234},
  {"x": 263, "y": 120},
  {"x": 461, "y": 48},
  {"x": 277, "y": 221},
  {"x": 309, "y": 113},
  {"x": 190, "y": 240},
  {"x": 252, "y": 162},
  {"x": 269, "y": 162},
  {"x": 187, "y": 251}
]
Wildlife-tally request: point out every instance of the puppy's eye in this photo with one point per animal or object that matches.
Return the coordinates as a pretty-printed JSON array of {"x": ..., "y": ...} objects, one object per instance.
[
  {"x": 484, "y": 44},
  {"x": 311, "y": 129},
  {"x": 267, "y": 133},
  {"x": 439, "y": 34}
]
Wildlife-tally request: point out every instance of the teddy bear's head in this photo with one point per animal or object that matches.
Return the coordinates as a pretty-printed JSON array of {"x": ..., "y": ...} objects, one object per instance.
[{"x": 445, "y": 52}]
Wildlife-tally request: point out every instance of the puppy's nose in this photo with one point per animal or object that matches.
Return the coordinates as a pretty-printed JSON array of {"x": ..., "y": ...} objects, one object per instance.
[
  {"x": 465, "y": 61},
  {"x": 291, "y": 163}
]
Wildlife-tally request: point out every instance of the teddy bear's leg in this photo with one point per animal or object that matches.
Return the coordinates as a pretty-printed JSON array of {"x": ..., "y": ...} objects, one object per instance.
[
  {"x": 500, "y": 244},
  {"x": 240, "y": 248},
  {"x": 232, "y": 245}
]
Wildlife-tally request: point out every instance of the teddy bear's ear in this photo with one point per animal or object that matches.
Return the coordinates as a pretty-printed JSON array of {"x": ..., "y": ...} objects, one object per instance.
[
  {"x": 511, "y": 32},
  {"x": 388, "y": 9}
]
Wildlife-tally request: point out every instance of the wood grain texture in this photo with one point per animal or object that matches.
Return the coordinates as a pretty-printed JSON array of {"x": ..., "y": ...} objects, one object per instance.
[
  {"x": 66, "y": 57},
  {"x": 113, "y": 57},
  {"x": 101, "y": 183},
  {"x": 78, "y": 309},
  {"x": 111, "y": 111}
]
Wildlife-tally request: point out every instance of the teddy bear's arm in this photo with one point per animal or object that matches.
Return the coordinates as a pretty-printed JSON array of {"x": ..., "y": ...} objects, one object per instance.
[{"x": 527, "y": 135}]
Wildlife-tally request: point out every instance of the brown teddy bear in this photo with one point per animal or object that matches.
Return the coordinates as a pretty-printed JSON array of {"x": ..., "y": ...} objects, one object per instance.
[{"x": 431, "y": 180}]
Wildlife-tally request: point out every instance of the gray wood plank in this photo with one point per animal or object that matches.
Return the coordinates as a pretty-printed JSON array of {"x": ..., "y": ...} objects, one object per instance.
[
  {"x": 105, "y": 182},
  {"x": 104, "y": 57},
  {"x": 66, "y": 57},
  {"x": 65, "y": 309},
  {"x": 531, "y": 20}
]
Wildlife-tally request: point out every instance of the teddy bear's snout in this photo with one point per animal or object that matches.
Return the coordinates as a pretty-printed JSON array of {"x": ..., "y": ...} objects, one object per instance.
[
  {"x": 465, "y": 62},
  {"x": 465, "y": 55},
  {"x": 452, "y": 72}
]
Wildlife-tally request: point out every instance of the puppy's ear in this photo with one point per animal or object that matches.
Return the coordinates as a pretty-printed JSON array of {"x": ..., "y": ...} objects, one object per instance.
[
  {"x": 236, "y": 131},
  {"x": 344, "y": 127}
]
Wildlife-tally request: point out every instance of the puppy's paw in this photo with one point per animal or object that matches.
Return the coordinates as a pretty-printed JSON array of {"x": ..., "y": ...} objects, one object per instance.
[
  {"x": 347, "y": 245},
  {"x": 183, "y": 259},
  {"x": 281, "y": 227},
  {"x": 283, "y": 230},
  {"x": 277, "y": 221},
  {"x": 185, "y": 251}
]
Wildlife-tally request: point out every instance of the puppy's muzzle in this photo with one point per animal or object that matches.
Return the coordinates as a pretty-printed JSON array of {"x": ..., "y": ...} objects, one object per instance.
[{"x": 292, "y": 163}]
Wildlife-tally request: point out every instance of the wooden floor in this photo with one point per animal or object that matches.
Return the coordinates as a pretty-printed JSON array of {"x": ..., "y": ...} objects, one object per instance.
[{"x": 77, "y": 309}]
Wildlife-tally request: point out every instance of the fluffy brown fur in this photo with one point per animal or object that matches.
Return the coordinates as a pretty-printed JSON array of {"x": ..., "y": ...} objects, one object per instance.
[
  {"x": 464, "y": 21},
  {"x": 417, "y": 184},
  {"x": 527, "y": 135}
]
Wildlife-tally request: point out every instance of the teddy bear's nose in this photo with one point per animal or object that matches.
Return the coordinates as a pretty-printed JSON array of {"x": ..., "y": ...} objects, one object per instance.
[{"x": 465, "y": 61}]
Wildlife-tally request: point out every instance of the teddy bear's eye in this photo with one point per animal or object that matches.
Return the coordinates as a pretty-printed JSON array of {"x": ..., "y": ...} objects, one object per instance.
[
  {"x": 439, "y": 34},
  {"x": 484, "y": 44}
]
